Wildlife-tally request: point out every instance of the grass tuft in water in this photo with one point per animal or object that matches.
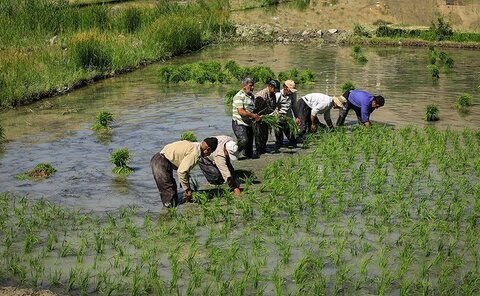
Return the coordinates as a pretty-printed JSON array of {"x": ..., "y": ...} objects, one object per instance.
[
  {"x": 39, "y": 172},
  {"x": 189, "y": 136},
  {"x": 347, "y": 86},
  {"x": 120, "y": 159},
  {"x": 103, "y": 121},
  {"x": 464, "y": 101},
  {"x": 431, "y": 113}
]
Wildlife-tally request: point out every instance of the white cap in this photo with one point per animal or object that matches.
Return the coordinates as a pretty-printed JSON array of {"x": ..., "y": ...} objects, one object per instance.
[{"x": 232, "y": 149}]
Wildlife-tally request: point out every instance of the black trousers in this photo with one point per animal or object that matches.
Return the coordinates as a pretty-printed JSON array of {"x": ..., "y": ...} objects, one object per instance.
[
  {"x": 162, "y": 170},
  {"x": 244, "y": 136},
  {"x": 261, "y": 131},
  {"x": 342, "y": 114},
  {"x": 281, "y": 131},
  {"x": 213, "y": 175}
]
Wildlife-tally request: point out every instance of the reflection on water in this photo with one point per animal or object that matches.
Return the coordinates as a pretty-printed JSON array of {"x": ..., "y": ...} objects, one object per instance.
[{"x": 149, "y": 115}]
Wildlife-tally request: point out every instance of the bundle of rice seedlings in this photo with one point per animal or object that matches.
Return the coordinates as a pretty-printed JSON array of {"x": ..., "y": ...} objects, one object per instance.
[
  {"x": 272, "y": 121},
  {"x": 292, "y": 125}
]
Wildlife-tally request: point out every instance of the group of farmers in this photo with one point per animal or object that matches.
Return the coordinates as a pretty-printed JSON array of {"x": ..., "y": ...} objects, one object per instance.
[{"x": 214, "y": 154}]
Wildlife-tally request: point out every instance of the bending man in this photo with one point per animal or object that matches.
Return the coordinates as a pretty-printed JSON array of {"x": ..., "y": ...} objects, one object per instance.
[
  {"x": 311, "y": 105},
  {"x": 217, "y": 167},
  {"x": 363, "y": 103},
  {"x": 181, "y": 156}
]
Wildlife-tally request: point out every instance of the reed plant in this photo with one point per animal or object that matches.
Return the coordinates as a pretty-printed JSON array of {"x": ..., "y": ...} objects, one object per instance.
[{"x": 2, "y": 134}]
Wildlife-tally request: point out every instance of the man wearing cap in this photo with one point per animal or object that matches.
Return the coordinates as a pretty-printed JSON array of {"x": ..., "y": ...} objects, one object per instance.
[
  {"x": 363, "y": 103},
  {"x": 243, "y": 117},
  {"x": 217, "y": 167},
  {"x": 264, "y": 104},
  {"x": 181, "y": 156},
  {"x": 311, "y": 105},
  {"x": 285, "y": 104}
]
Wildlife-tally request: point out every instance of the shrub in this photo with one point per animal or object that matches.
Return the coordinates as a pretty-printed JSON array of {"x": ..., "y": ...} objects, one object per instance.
[
  {"x": 120, "y": 159},
  {"x": 464, "y": 101},
  {"x": 432, "y": 113},
  {"x": 441, "y": 29},
  {"x": 103, "y": 121},
  {"x": 89, "y": 51},
  {"x": 39, "y": 172},
  {"x": 189, "y": 136},
  {"x": 347, "y": 86}
]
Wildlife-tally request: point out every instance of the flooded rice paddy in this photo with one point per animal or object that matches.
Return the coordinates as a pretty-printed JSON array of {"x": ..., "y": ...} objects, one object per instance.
[
  {"x": 149, "y": 115},
  {"x": 394, "y": 213}
]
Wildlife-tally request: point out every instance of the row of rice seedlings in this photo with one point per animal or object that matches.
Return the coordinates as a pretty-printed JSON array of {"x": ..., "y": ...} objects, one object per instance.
[
  {"x": 189, "y": 136},
  {"x": 230, "y": 72},
  {"x": 438, "y": 60},
  {"x": 393, "y": 213},
  {"x": 358, "y": 55}
]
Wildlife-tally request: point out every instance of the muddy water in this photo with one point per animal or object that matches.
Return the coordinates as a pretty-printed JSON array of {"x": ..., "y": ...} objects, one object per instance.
[{"x": 150, "y": 115}]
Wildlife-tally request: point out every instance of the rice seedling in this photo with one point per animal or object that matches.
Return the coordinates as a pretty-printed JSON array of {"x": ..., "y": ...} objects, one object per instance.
[
  {"x": 103, "y": 121},
  {"x": 347, "y": 86},
  {"x": 189, "y": 136},
  {"x": 431, "y": 113},
  {"x": 120, "y": 159},
  {"x": 434, "y": 71},
  {"x": 39, "y": 172},
  {"x": 358, "y": 55},
  {"x": 271, "y": 121},
  {"x": 464, "y": 101}
]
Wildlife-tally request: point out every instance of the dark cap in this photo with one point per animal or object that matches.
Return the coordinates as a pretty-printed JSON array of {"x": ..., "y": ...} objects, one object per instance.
[{"x": 275, "y": 84}]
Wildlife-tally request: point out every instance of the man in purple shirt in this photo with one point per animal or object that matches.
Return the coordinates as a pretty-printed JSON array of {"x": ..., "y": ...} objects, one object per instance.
[{"x": 363, "y": 103}]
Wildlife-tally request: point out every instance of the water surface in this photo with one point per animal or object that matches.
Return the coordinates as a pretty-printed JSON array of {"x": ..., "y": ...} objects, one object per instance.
[{"x": 150, "y": 114}]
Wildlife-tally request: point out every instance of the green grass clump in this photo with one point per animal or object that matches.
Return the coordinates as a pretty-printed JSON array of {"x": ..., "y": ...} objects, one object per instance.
[
  {"x": 39, "y": 172},
  {"x": 120, "y": 159},
  {"x": 432, "y": 113},
  {"x": 230, "y": 72},
  {"x": 305, "y": 76},
  {"x": 464, "y": 101},
  {"x": 347, "y": 86},
  {"x": 189, "y": 136},
  {"x": 131, "y": 19},
  {"x": 103, "y": 121},
  {"x": 291, "y": 124},
  {"x": 90, "y": 51},
  {"x": 360, "y": 30}
]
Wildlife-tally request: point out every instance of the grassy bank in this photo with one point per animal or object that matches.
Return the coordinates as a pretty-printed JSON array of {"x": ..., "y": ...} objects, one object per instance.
[
  {"x": 379, "y": 211},
  {"x": 439, "y": 33},
  {"x": 49, "y": 47}
]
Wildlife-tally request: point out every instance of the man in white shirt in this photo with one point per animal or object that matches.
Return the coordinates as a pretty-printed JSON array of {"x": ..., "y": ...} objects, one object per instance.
[
  {"x": 311, "y": 105},
  {"x": 217, "y": 167}
]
